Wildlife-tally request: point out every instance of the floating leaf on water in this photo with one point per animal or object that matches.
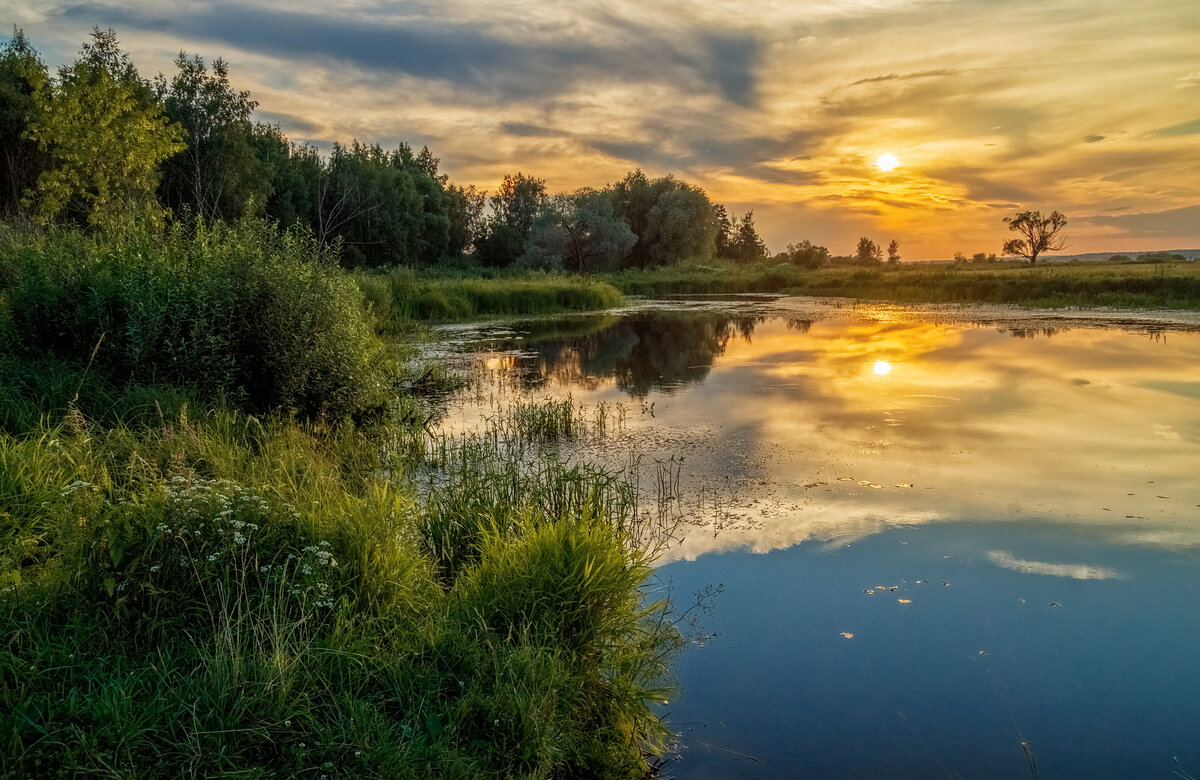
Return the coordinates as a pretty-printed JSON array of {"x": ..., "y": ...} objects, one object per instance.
[
  {"x": 845, "y": 479},
  {"x": 876, "y": 485},
  {"x": 904, "y": 484},
  {"x": 864, "y": 482},
  {"x": 847, "y": 635},
  {"x": 869, "y": 591},
  {"x": 904, "y": 601}
]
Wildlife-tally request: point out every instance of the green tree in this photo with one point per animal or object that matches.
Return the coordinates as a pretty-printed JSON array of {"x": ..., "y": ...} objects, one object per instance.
[
  {"x": 671, "y": 219},
  {"x": 217, "y": 175},
  {"x": 464, "y": 209},
  {"x": 893, "y": 251},
  {"x": 579, "y": 232},
  {"x": 514, "y": 208},
  {"x": 1039, "y": 234},
  {"x": 106, "y": 138},
  {"x": 868, "y": 252},
  {"x": 293, "y": 173},
  {"x": 22, "y": 76}
]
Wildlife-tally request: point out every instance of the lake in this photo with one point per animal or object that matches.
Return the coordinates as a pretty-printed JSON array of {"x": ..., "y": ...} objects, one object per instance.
[{"x": 937, "y": 542}]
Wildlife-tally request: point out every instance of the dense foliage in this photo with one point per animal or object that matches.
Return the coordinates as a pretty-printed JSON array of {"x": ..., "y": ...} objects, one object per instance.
[
  {"x": 98, "y": 145},
  {"x": 263, "y": 319}
]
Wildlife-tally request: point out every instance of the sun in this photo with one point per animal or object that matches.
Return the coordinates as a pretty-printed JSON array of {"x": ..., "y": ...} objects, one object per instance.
[
  {"x": 883, "y": 368},
  {"x": 886, "y": 162}
]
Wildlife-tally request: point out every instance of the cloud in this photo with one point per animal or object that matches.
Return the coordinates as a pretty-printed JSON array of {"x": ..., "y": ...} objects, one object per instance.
[
  {"x": 470, "y": 54},
  {"x": 1075, "y": 571},
  {"x": 289, "y": 122},
  {"x": 1186, "y": 128},
  {"x": 980, "y": 186},
  {"x": 1172, "y": 222},
  {"x": 923, "y": 74}
]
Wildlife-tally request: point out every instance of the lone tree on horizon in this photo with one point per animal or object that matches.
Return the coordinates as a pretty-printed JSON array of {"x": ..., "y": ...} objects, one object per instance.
[{"x": 1041, "y": 234}]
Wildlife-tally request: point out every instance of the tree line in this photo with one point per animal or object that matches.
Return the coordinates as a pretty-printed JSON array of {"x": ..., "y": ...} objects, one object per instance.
[{"x": 99, "y": 145}]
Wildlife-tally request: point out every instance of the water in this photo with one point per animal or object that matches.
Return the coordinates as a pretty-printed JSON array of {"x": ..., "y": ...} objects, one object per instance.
[{"x": 951, "y": 543}]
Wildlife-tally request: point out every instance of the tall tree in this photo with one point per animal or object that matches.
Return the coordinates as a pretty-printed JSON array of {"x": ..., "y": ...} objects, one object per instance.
[
  {"x": 22, "y": 76},
  {"x": 293, "y": 174},
  {"x": 106, "y": 137},
  {"x": 514, "y": 207},
  {"x": 672, "y": 219},
  {"x": 464, "y": 208},
  {"x": 579, "y": 232},
  {"x": 217, "y": 175},
  {"x": 1040, "y": 234},
  {"x": 893, "y": 251},
  {"x": 723, "y": 240}
]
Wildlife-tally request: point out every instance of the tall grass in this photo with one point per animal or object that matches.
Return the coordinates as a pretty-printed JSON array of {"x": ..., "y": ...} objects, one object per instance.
[
  {"x": 262, "y": 318},
  {"x": 402, "y": 296},
  {"x": 208, "y": 592}
]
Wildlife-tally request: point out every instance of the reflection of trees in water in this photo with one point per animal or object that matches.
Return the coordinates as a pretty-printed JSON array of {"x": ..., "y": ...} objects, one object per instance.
[
  {"x": 799, "y": 325},
  {"x": 1030, "y": 333},
  {"x": 644, "y": 351}
]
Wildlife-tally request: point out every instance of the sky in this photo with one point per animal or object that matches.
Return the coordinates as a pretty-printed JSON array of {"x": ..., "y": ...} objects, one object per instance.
[{"x": 1088, "y": 107}]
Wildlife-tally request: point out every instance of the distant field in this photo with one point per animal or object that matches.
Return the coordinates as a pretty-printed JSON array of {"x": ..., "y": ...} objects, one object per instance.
[{"x": 1086, "y": 284}]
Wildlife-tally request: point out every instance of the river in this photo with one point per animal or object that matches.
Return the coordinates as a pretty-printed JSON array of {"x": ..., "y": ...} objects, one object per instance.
[{"x": 937, "y": 541}]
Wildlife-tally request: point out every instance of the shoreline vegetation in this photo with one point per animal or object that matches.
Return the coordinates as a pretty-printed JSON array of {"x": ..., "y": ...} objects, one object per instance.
[{"x": 229, "y": 543}]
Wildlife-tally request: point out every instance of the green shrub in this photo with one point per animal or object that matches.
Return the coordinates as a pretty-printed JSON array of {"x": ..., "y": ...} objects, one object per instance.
[{"x": 264, "y": 319}]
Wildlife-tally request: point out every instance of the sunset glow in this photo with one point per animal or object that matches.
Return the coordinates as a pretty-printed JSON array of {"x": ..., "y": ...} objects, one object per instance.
[{"x": 1089, "y": 108}]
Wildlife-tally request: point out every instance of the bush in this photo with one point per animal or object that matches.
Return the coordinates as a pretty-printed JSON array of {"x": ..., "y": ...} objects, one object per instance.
[{"x": 264, "y": 319}]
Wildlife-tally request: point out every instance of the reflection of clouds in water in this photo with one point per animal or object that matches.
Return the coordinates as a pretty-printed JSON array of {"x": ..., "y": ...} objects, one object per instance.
[
  {"x": 987, "y": 427},
  {"x": 1076, "y": 571}
]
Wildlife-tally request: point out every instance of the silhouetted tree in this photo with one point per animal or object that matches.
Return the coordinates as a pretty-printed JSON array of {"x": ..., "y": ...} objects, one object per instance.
[
  {"x": 747, "y": 245},
  {"x": 723, "y": 240},
  {"x": 893, "y": 251},
  {"x": 514, "y": 207},
  {"x": 1040, "y": 234},
  {"x": 868, "y": 252},
  {"x": 805, "y": 254}
]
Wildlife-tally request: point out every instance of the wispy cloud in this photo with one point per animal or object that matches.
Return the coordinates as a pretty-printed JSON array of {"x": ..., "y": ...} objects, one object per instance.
[
  {"x": 1075, "y": 571},
  {"x": 780, "y": 107}
]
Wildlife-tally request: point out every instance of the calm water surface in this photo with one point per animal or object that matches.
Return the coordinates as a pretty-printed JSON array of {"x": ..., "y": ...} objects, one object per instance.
[{"x": 946, "y": 549}]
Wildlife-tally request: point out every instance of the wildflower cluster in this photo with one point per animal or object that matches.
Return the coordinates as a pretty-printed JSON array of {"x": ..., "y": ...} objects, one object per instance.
[{"x": 211, "y": 531}]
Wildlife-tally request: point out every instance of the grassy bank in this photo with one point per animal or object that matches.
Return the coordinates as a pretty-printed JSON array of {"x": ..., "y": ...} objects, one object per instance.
[
  {"x": 1132, "y": 285},
  {"x": 402, "y": 297},
  {"x": 292, "y": 578}
]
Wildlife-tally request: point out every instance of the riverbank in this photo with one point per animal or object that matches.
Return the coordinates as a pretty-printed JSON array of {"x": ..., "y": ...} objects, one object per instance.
[{"x": 229, "y": 544}]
